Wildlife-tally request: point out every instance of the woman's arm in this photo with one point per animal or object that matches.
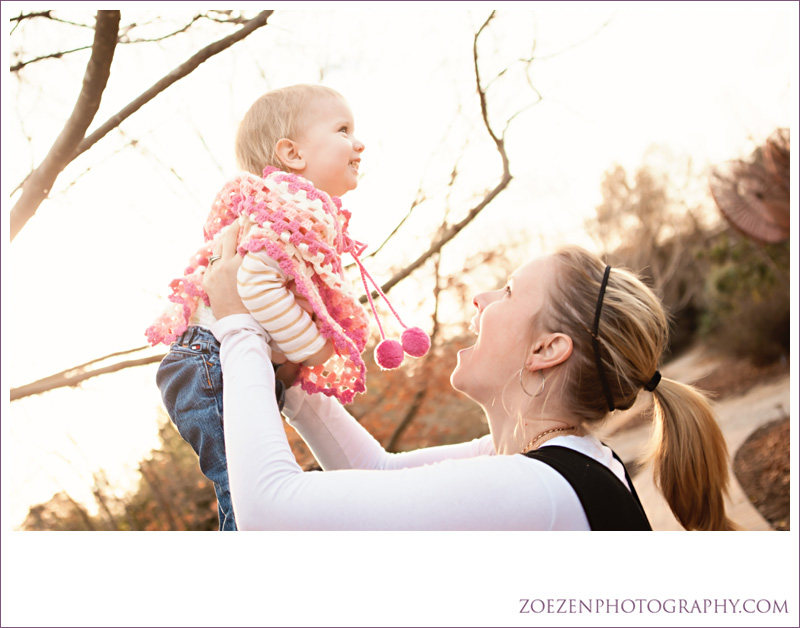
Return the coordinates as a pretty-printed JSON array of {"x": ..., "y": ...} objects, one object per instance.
[
  {"x": 338, "y": 441},
  {"x": 270, "y": 490}
]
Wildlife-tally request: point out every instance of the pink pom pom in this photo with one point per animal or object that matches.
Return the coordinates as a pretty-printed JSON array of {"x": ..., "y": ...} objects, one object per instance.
[
  {"x": 389, "y": 354},
  {"x": 416, "y": 342}
]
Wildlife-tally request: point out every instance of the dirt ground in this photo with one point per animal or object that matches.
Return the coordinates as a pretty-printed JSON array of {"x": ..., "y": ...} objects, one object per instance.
[
  {"x": 761, "y": 463},
  {"x": 762, "y": 468}
]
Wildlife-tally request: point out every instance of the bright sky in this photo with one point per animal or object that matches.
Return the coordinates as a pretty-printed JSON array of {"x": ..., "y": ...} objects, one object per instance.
[{"x": 89, "y": 271}]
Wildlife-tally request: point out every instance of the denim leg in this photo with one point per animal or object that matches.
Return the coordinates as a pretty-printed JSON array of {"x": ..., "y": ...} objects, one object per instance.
[{"x": 190, "y": 380}]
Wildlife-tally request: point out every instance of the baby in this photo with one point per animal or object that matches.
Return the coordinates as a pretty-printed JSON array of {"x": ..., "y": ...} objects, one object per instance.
[{"x": 298, "y": 146}]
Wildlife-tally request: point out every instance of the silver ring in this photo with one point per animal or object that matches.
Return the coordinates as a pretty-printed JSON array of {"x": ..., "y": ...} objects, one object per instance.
[{"x": 213, "y": 259}]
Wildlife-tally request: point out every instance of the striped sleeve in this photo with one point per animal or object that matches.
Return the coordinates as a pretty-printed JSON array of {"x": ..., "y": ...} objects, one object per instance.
[{"x": 261, "y": 286}]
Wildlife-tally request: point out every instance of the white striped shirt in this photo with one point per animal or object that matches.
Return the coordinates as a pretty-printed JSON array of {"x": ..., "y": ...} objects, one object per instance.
[{"x": 262, "y": 286}]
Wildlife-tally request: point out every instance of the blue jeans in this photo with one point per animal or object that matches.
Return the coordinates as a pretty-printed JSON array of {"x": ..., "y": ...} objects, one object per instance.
[{"x": 190, "y": 381}]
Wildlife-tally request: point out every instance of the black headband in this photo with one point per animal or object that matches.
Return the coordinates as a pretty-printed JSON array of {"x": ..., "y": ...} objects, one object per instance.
[{"x": 595, "y": 327}]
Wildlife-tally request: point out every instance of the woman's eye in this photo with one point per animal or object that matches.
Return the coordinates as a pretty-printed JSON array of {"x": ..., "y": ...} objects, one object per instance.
[{"x": 507, "y": 291}]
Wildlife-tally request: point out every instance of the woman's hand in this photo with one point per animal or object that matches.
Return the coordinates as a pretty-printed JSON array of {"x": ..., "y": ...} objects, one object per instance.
[{"x": 219, "y": 280}]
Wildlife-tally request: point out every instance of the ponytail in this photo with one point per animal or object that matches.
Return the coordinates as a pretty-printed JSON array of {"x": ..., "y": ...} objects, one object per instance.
[
  {"x": 615, "y": 358},
  {"x": 690, "y": 457}
]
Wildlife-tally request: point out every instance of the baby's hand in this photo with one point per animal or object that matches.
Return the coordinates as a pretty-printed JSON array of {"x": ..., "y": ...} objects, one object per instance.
[
  {"x": 321, "y": 356},
  {"x": 277, "y": 356}
]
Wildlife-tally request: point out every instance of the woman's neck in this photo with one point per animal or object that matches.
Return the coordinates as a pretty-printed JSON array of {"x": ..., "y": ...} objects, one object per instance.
[{"x": 511, "y": 435}]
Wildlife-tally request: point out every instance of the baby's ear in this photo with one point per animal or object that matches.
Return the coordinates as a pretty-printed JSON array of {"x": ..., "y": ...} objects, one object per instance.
[{"x": 288, "y": 153}]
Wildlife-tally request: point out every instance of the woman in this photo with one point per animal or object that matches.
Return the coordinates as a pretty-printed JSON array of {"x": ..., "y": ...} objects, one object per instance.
[{"x": 564, "y": 343}]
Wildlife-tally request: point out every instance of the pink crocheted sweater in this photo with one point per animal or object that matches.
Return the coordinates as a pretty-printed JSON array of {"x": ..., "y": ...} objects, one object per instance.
[{"x": 305, "y": 231}]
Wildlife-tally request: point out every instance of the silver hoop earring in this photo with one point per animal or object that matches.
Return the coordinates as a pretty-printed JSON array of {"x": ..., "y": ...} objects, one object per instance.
[{"x": 521, "y": 385}]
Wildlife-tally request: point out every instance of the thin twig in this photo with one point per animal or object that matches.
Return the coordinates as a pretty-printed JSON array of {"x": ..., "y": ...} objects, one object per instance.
[
  {"x": 417, "y": 201},
  {"x": 29, "y": 16},
  {"x": 577, "y": 44},
  {"x": 52, "y": 55},
  {"x": 124, "y": 40}
]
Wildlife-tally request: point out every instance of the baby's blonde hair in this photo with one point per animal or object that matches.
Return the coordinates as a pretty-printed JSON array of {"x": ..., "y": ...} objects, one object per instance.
[{"x": 278, "y": 114}]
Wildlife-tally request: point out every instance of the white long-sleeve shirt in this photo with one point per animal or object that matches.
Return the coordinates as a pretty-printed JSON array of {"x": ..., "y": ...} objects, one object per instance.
[{"x": 453, "y": 487}]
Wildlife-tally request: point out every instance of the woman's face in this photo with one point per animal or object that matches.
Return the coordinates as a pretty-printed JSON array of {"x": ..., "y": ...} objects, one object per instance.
[{"x": 504, "y": 324}]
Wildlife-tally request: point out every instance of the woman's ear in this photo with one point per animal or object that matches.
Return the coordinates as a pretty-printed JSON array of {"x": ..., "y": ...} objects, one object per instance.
[
  {"x": 288, "y": 153},
  {"x": 548, "y": 351}
]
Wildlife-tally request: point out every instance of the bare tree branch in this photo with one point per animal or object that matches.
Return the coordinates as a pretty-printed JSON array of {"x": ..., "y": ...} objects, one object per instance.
[
  {"x": 53, "y": 55},
  {"x": 76, "y": 375},
  {"x": 577, "y": 44},
  {"x": 453, "y": 230},
  {"x": 47, "y": 14},
  {"x": 424, "y": 378},
  {"x": 178, "y": 73},
  {"x": 28, "y": 16},
  {"x": 228, "y": 19},
  {"x": 417, "y": 201},
  {"x": 40, "y": 182},
  {"x": 121, "y": 39},
  {"x": 36, "y": 188},
  {"x": 124, "y": 39}
]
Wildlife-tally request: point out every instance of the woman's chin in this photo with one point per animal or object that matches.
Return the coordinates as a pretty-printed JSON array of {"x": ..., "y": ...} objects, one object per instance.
[
  {"x": 457, "y": 377},
  {"x": 460, "y": 382},
  {"x": 464, "y": 388}
]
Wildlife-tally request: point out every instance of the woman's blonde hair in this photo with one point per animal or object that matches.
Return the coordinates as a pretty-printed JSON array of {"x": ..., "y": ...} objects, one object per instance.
[
  {"x": 689, "y": 454},
  {"x": 278, "y": 114}
]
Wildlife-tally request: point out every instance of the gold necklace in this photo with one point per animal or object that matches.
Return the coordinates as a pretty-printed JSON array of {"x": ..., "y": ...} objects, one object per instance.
[{"x": 555, "y": 430}]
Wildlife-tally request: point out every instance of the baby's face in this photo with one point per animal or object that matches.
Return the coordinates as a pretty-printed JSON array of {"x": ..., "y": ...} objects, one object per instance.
[{"x": 331, "y": 152}]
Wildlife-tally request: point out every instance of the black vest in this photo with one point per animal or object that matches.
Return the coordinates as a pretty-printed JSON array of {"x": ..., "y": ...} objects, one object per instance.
[{"x": 607, "y": 502}]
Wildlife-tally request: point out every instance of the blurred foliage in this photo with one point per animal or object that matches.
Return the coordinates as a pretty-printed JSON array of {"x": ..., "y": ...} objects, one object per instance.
[
  {"x": 172, "y": 494},
  {"x": 718, "y": 286},
  {"x": 646, "y": 222},
  {"x": 747, "y": 297}
]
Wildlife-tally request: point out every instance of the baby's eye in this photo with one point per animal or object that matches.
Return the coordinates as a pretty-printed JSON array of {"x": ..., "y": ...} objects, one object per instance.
[{"x": 343, "y": 129}]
